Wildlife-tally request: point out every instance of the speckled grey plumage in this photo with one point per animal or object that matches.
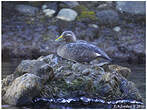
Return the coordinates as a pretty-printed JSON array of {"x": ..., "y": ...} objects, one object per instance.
[{"x": 80, "y": 50}]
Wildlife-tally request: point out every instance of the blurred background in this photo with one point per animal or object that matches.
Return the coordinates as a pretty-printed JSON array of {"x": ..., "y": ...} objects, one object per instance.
[{"x": 29, "y": 30}]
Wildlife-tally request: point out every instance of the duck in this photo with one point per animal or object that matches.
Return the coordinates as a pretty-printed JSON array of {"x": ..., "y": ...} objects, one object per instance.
[{"x": 78, "y": 50}]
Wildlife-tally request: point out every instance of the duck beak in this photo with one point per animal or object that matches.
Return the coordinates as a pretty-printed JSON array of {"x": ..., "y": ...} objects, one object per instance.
[{"x": 59, "y": 38}]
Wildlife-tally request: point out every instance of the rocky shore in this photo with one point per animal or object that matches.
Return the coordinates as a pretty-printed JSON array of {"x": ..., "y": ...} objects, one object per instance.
[
  {"x": 53, "y": 77},
  {"x": 30, "y": 28}
]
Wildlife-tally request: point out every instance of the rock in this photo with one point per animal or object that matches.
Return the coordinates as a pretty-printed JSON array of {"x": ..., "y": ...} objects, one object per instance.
[
  {"x": 37, "y": 67},
  {"x": 117, "y": 29},
  {"x": 49, "y": 8},
  {"x": 50, "y": 5},
  {"x": 132, "y": 44},
  {"x": 139, "y": 49},
  {"x": 72, "y": 79},
  {"x": 49, "y": 12},
  {"x": 106, "y": 41},
  {"x": 6, "y": 82},
  {"x": 107, "y": 17},
  {"x": 94, "y": 26},
  {"x": 67, "y": 14},
  {"x": 35, "y": 3},
  {"x": 27, "y": 10},
  {"x": 129, "y": 88},
  {"x": 85, "y": 15},
  {"x": 86, "y": 32},
  {"x": 86, "y": 71},
  {"x": 52, "y": 32},
  {"x": 124, "y": 71},
  {"x": 22, "y": 90},
  {"x": 105, "y": 5},
  {"x": 90, "y": 4},
  {"x": 44, "y": 7},
  {"x": 131, "y": 7},
  {"x": 88, "y": 80},
  {"x": 71, "y": 4},
  {"x": 23, "y": 44},
  {"x": 121, "y": 45},
  {"x": 102, "y": 6}
]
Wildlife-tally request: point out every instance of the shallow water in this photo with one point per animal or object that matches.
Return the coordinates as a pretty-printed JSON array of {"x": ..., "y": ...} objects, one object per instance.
[{"x": 137, "y": 76}]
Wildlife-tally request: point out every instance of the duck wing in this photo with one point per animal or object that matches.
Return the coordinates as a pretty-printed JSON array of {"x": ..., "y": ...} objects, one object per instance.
[
  {"x": 99, "y": 51},
  {"x": 95, "y": 49},
  {"x": 79, "y": 52}
]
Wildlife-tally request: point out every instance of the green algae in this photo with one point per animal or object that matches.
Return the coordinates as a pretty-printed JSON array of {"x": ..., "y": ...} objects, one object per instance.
[
  {"x": 85, "y": 13},
  {"x": 81, "y": 8}
]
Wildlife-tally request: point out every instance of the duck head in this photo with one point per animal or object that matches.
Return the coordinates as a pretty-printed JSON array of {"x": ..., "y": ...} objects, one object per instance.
[{"x": 67, "y": 36}]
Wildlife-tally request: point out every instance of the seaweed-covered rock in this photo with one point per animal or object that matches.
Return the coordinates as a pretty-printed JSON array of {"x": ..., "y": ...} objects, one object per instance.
[
  {"x": 6, "y": 82},
  {"x": 85, "y": 15},
  {"x": 124, "y": 71},
  {"x": 37, "y": 67},
  {"x": 76, "y": 79},
  {"x": 71, "y": 79},
  {"x": 22, "y": 90}
]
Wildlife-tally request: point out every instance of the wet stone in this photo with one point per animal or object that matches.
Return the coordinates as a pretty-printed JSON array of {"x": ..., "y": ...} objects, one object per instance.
[
  {"x": 27, "y": 10},
  {"x": 108, "y": 17},
  {"x": 131, "y": 7},
  {"x": 23, "y": 89},
  {"x": 124, "y": 71},
  {"x": 50, "y": 5},
  {"x": 117, "y": 29},
  {"x": 49, "y": 12},
  {"x": 67, "y": 14},
  {"x": 37, "y": 67},
  {"x": 71, "y": 4}
]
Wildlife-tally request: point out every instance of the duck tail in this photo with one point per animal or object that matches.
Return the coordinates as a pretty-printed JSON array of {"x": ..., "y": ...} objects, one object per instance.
[
  {"x": 105, "y": 56},
  {"x": 108, "y": 58}
]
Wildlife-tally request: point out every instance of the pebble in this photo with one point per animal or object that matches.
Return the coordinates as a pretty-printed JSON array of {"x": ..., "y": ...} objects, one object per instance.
[
  {"x": 67, "y": 14},
  {"x": 116, "y": 29},
  {"x": 50, "y": 5},
  {"x": 44, "y": 7},
  {"x": 25, "y": 84},
  {"x": 71, "y": 4},
  {"x": 94, "y": 26},
  {"x": 102, "y": 6},
  {"x": 49, "y": 12}
]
